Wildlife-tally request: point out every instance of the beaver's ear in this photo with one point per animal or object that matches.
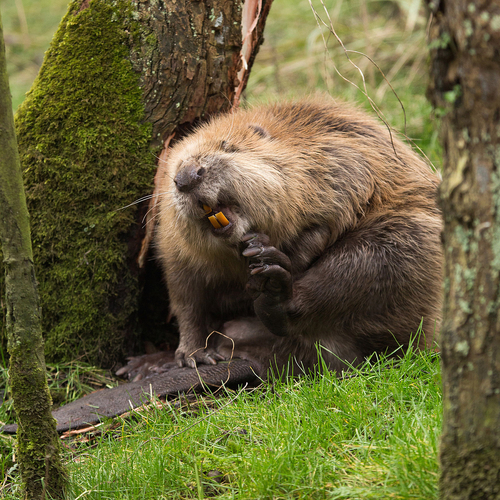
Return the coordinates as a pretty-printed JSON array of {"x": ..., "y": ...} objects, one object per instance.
[{"x": 260, "y": 131}]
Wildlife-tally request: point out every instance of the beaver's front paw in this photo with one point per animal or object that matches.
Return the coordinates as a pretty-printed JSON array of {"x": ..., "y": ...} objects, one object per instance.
[
  {"x": 191, "y": 356},
  {"x": 269, "y": 282}
]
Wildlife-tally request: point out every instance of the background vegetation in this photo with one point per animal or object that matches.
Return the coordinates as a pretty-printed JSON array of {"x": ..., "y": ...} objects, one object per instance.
[
  {"x": 371, "y": 436},
  {"x": 293, "y": 60},
  {"x": 300, "y": 55}
]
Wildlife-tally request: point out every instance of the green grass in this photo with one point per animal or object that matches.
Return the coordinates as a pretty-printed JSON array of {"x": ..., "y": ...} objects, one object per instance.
[{"x": 372, "y": 435}]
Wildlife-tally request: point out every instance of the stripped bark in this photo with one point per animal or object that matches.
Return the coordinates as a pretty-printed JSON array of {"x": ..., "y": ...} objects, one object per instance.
[{"x": 211, "y": 92}]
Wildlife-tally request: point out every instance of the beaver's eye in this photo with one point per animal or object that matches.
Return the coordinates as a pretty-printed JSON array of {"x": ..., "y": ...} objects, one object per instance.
[
  {"x": 259, "y": 131},
  {"x": 228, "y": 147}
]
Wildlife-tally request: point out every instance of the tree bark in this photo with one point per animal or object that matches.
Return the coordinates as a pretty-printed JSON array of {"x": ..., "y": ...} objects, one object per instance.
[
  {"x": 119, "y": 81},
  {"x": 38, "y": 445},
  {"x": 465, "y": 43}
]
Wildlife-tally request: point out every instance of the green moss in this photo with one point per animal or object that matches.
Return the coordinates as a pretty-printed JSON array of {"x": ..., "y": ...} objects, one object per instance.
[
  {"x": 38, "y": 447},
  {"x": 85, "y": 152}
]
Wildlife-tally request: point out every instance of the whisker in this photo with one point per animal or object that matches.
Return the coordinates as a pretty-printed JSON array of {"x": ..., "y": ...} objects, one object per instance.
[
  {"x": 152, "y": 209},
  {"x": 136, "y": 202},
  {"x": 144, "y": 198}
]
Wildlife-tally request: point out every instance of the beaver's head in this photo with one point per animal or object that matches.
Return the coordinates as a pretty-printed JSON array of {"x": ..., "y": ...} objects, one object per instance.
[
  {"x": 278, "y": 171},
  {"x": 227, "y": 182}
]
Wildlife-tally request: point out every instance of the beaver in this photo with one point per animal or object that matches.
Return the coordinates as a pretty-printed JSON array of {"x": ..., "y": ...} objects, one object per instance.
[{"x": 298, "y": 230}]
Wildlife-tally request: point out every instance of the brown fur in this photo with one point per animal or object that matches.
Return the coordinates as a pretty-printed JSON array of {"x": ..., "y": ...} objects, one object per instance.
[{"x": 355, "y": 213}]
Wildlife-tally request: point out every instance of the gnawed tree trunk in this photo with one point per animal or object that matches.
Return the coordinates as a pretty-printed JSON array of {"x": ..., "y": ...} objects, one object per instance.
[
  {"x": 119, "y": 79},
  {"x": 465, "y": 43},
  {"x": 38, "y": 445}
]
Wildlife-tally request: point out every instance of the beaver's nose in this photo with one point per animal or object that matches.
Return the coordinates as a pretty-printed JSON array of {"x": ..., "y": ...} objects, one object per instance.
[{"x": 189, "y": 177}]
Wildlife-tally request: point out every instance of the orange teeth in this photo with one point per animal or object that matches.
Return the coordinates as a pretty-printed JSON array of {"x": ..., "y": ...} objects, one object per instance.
[
  {"x": 222, "y": 219},
  {"x": 218, "y": 220},
  {"x": 214, "y": 222},
  {"x": 207, "y": 209}
]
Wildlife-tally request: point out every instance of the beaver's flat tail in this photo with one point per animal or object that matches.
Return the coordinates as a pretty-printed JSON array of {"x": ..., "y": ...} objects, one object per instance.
[{"x": 107, "y": 403}]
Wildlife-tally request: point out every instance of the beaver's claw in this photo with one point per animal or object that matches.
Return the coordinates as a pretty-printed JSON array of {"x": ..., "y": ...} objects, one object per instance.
[{"x": 269, "y": 281}]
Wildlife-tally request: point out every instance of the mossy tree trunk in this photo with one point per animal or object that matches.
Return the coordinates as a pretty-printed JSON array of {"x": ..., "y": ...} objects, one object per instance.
[
  {"x": 120, "y": 80},
  {"x": 38, "y": 445},
  {"x": 465, "y": 83}
]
